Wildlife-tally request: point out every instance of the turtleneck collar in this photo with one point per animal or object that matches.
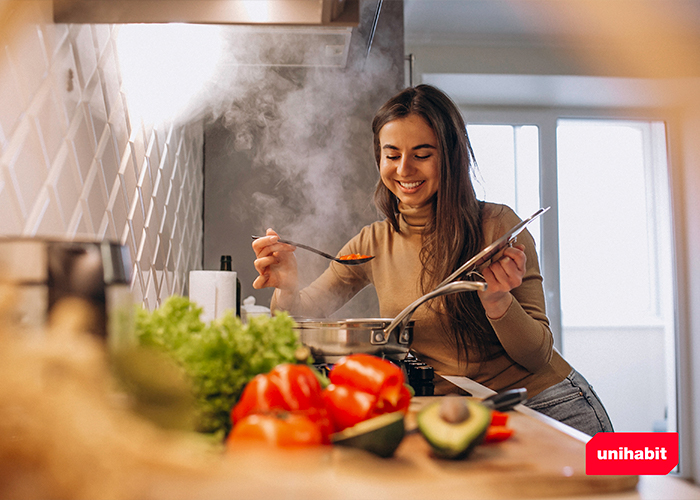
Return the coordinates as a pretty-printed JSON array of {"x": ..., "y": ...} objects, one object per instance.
[{"x": 414, "y": 219}]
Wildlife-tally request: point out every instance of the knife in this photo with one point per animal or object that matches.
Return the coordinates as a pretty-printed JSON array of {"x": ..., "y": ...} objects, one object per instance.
[{"x": 506, "y": 400}]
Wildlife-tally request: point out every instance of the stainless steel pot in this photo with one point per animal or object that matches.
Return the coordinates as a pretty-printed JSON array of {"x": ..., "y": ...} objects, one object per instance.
[
  {"x": 46, "y": 272},
  {"x": 330, "y": 340}
]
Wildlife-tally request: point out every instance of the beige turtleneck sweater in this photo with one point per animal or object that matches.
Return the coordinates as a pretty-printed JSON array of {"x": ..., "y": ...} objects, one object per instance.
[{"x": 522, "y": 355}]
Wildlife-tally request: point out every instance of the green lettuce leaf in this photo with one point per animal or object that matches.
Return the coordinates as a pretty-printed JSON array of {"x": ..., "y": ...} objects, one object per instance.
[{"x": 220, "y": 357}]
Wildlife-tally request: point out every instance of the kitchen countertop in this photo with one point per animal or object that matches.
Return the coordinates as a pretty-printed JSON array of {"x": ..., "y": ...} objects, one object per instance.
[
  {"x": 68, "y": 437},
  {"x": 544, "y": 459},
  {"x": 657, "y": 488},
  {"x": 648, "y": 487}
]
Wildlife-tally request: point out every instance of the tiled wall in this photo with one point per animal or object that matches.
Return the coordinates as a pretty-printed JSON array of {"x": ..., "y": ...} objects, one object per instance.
[{"x": 73, "y": 164}]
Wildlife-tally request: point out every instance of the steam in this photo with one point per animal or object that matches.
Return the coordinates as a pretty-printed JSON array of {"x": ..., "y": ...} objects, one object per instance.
[
  {"x": 307, "y": 133},
  {"x": 302, "y": 128}
]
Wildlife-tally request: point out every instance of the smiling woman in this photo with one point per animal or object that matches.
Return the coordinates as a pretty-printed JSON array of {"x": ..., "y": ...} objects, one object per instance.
[
  {"x": 409, "y": 164},
  {"x": 498, "y": 336},
  {"x": 165, "y": 67}
]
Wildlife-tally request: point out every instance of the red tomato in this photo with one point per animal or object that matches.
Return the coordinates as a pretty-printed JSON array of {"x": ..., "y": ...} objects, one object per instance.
[
  {"x": 284, "y": 429},
  {"x": 347, "y": 405}
]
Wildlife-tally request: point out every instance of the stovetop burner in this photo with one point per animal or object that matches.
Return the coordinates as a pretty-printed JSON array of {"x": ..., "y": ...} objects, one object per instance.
[{"x": 418, "y": 375}]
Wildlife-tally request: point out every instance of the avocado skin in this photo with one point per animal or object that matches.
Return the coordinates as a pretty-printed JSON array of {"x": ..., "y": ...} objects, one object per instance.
[
  {"x": 380, "y": 435},
  {"x": 454, "y": 441},
  {"x": 453, "y": 454}
]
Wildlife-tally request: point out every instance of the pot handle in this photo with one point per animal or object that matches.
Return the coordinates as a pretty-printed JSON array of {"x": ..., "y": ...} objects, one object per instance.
[{"x": 404, "y": 316}]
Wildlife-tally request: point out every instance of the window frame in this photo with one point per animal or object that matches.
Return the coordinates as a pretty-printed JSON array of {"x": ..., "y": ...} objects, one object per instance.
[{"x": 545, "y": 118}]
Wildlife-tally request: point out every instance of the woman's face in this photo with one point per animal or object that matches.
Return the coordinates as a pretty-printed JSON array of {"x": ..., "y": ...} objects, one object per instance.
[{"x": 409, "y": 162}]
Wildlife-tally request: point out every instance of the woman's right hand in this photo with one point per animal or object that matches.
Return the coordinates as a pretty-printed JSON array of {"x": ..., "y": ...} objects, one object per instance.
[{"x": 275, "y": 262}]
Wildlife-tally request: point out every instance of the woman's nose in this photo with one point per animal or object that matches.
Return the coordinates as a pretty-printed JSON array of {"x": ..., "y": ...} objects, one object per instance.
[{"x": 405, "y": 166}]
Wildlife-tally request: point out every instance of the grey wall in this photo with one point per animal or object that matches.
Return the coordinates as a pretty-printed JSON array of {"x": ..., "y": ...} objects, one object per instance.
[{"x": 292, "y": 150}]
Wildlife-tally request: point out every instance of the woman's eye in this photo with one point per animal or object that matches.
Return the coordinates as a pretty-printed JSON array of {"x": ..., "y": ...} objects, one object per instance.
[
  {"x": 393, "y": 158},
  {"x": 425, "y": 157}
]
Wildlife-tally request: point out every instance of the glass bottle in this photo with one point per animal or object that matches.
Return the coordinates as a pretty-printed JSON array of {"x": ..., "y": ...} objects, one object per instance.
[{"x": 226, "y": 266}]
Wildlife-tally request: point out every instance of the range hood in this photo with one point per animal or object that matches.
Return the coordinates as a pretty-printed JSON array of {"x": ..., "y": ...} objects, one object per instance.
[
  {"x": 295, "y": 46},
  {"x": 339, "y": 13}
]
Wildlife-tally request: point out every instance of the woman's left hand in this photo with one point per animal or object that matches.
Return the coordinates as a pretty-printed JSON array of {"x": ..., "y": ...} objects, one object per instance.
[{"x": 501, "y": 277}]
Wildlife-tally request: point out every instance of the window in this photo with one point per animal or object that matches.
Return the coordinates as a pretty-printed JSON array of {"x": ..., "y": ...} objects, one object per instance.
[
  {"x": 615, "y": 259},
  {"x": 508, "y": 167},
  {"x": 611, "y": 299}
]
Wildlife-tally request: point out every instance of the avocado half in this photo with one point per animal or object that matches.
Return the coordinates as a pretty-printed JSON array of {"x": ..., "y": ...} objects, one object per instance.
[
  {"x": 380, "y": 435},
  {"x": 454, "y": 440}
]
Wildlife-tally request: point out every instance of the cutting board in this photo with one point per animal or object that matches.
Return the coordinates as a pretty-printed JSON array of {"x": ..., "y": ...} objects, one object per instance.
[{"x": 538, "y": 461}]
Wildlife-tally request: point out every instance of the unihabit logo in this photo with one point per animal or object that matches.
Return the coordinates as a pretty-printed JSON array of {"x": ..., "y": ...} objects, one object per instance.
[
  {"x": 619, "y": 453},
  {"x": 630, "y": 454}
]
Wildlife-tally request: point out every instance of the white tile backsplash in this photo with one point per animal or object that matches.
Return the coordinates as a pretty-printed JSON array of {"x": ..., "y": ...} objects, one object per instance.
[
  {"x": 52, "y": 129},
  {"x": 29, "y": 59},
  {"x": 65, "y": 180},
  {"x": 11, "y": 102},
  {"x": 10, "y": 222},
  {"x": 81, "y": 143},
  {"x": 84, "y": 50},
  {"x": 28, "y": 169},
  {"x": 73, "y": 164},
  {"x": 49, "y": 222}
]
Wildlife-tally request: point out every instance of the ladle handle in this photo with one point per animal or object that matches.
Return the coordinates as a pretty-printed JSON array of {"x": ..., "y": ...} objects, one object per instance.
[{"x": 404, "y": 316}]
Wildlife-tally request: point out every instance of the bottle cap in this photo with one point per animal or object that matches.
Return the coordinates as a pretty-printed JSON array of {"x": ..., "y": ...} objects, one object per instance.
[{"x": 226, "y": 263}]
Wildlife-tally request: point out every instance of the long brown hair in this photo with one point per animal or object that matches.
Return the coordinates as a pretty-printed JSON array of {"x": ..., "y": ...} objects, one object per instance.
[{"x": 454, "y": 234}]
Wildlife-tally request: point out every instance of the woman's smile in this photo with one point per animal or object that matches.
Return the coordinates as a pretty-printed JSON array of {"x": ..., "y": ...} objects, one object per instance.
[
  {"x": 410, "y": 186},
  {"x": 410, "y": 161}
]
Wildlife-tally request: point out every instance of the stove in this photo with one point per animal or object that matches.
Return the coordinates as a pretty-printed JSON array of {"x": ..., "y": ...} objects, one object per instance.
[{"x": 418, "y": 375}]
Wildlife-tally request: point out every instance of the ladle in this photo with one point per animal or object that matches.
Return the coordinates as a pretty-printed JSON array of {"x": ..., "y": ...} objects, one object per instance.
[{"x": 347, "y": 262}]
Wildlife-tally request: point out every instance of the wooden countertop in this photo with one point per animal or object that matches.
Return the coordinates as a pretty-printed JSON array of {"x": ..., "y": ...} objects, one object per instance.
[
  {"x": 69, "y": 440},
  {"x": 647, "y": 488},
  {"x": 542, "y": 460},
  {"x": 68, "y": 435}
]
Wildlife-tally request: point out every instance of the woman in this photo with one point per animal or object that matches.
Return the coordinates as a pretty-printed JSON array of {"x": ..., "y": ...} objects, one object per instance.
[{"x": 499, "y": 337}]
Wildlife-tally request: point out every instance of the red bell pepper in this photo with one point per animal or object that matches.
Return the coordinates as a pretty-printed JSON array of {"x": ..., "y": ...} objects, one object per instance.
[
  {"x": 298, "y": 386},
  {"x": 364, "y": 386},
  {"x": 498, "y": 418},
  {"x": 285, "y": 429},
  {"x": 498, "y": 430},
  {"x": 258, "y": 396},
  {"x": 286, "y": 388},
  {"x": 347, "y": 405},
  {"x": 402, "y": 403},
  {"x": 373, "y": 375},
  {"x": 497, "y": 433}
]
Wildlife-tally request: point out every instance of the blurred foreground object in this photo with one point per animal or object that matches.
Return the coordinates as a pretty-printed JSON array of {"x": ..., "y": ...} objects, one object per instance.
[
  {"x": 47, "y": 272},
  {"x": 67, "y": 430}
]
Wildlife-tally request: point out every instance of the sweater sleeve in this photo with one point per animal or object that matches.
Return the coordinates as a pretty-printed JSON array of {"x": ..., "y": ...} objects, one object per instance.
[
  {"x": 524, "y": 330},
  {"x": 330, "y": 291}
]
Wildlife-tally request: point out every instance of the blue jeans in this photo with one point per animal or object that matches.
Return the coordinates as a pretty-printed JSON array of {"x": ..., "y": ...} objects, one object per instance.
[{"x": 573, "y": 402}]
